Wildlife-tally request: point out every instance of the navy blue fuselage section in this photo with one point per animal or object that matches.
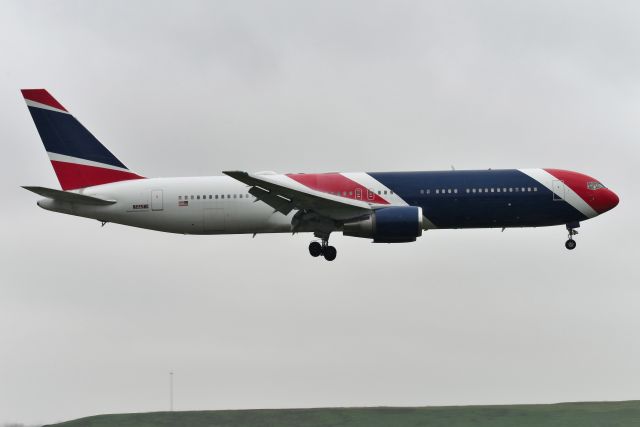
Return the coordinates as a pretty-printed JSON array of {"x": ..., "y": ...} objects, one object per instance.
[
  {"x": 479, "y": 199},
  {"x": 62, "y": 134}
]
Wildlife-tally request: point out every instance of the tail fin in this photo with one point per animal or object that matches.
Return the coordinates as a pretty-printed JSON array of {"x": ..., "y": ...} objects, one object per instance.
[{"x": 78, "y": 158}]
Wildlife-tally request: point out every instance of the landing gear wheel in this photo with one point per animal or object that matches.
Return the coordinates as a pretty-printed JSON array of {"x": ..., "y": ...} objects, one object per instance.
[
  {"x": 315, "y": 249},
  {"x": 570, "y": 244},
  {"x": 330, "y": 253}
]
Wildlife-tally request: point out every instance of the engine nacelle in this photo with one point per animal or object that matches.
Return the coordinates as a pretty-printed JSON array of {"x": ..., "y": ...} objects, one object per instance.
[{"x": 395, "y": 224}]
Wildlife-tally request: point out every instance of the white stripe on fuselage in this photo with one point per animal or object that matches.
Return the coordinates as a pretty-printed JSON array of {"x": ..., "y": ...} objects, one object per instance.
[{"x": 570, "y": 196}]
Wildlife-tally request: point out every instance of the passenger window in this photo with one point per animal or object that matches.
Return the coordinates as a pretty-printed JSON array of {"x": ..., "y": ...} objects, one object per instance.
[
  {"x": 535, "y": 189},
  {"x": 421, "y": 191},
  {"x": 216, "y": 196},
  {"x": 428, "y": 191},
  {"x": 455, "y": 190},
  {"x": 492, "y": 189},
  {"x": 179, "y": 197},
  {"x": 474, "y": 190},
  {"x": 385, "y": 191},
  {"x": 437, "y": 191},
  {"x": 198, "y": 197},
  {"x": 467, "y": 190}
]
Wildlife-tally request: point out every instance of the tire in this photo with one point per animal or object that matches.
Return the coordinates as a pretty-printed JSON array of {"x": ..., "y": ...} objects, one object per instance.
[
  {"x": 315, "y": 249},
  {"x": 330, "y": 253},
  {"x": 570, "y": 244}
]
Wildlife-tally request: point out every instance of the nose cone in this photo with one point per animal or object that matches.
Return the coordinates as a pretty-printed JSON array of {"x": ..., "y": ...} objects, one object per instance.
[{"x": 609, "y": 200}]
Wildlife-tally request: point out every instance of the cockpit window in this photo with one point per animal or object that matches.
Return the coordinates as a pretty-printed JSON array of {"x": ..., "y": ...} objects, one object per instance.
[{"x": 595, "y": 185}]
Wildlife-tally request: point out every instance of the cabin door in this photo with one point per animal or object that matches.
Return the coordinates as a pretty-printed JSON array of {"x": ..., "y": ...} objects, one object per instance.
[{"x": 156, "y": 200}]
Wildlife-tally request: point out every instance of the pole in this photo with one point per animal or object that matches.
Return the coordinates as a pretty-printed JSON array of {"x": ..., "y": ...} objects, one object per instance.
[{"x": 171, "y": 391}]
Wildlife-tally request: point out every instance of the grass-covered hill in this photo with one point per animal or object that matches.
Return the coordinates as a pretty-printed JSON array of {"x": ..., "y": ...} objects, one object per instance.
[{"x": 610, "y": 414}]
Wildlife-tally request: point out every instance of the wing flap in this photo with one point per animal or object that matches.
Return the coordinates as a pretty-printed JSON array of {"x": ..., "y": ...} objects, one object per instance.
[
  {"x": 66, "y": 196},
  {"x": 280, "y": 204}
]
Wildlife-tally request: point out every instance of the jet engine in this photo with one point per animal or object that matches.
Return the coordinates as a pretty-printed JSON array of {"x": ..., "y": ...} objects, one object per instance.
[{"x": 394, "y": 224}]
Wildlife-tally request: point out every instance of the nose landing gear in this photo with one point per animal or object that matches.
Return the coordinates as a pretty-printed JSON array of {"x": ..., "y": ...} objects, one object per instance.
[
  {"x": 570, "y": 243},
  {"x": 316, "y": 249}
]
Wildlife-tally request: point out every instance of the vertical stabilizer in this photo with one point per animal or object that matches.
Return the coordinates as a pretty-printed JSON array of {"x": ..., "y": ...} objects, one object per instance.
[{"x": 77, "y": 157}]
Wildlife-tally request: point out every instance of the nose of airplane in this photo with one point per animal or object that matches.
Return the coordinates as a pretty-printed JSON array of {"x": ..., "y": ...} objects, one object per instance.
[
  {"x": 609, "y": 200},
  {"x": 592, "y": 191}
]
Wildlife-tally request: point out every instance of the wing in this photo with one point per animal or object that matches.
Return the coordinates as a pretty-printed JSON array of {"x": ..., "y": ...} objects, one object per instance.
[{"x": 284, "y": 195}]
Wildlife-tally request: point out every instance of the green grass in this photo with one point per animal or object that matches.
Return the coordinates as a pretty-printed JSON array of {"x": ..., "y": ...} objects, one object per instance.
[{"x": 610, "y": 414}]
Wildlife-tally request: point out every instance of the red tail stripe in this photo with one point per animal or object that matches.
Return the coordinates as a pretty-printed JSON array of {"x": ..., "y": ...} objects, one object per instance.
[
  {"x": 43, "y": 97},
  {"x": 73, "y": 176}
]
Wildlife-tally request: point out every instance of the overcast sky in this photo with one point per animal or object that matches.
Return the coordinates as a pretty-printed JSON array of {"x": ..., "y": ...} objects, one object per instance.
[{"x": 92, "y": 319}]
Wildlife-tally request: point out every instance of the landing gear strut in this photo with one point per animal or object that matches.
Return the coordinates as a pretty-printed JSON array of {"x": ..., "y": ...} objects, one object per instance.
[
  {"x": 571, "y": 244},
  {"x": 316, "y": 249}
]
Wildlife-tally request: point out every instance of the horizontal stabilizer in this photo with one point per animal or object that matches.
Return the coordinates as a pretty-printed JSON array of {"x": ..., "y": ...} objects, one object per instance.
[{"x": 66, "y": 196}]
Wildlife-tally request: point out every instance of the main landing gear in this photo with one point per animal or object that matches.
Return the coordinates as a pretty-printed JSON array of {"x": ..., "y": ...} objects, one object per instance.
[
  {"x": 570, "y": 243},
  {"x": 316, "y": 249}
]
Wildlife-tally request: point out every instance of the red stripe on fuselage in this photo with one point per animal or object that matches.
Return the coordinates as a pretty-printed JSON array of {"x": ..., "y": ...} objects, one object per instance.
[
  {"x": 43, "y": 97},
  {"x": 73, "y": 176},
  {"x": 337, "y": 183}
]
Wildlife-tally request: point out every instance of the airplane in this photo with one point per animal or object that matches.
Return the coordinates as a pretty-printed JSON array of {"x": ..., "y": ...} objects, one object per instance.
[{"x": 386, "y": 207}]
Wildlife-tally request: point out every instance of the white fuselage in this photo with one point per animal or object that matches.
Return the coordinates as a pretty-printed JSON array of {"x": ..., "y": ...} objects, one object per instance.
[{"x": 193, "y": 205}]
